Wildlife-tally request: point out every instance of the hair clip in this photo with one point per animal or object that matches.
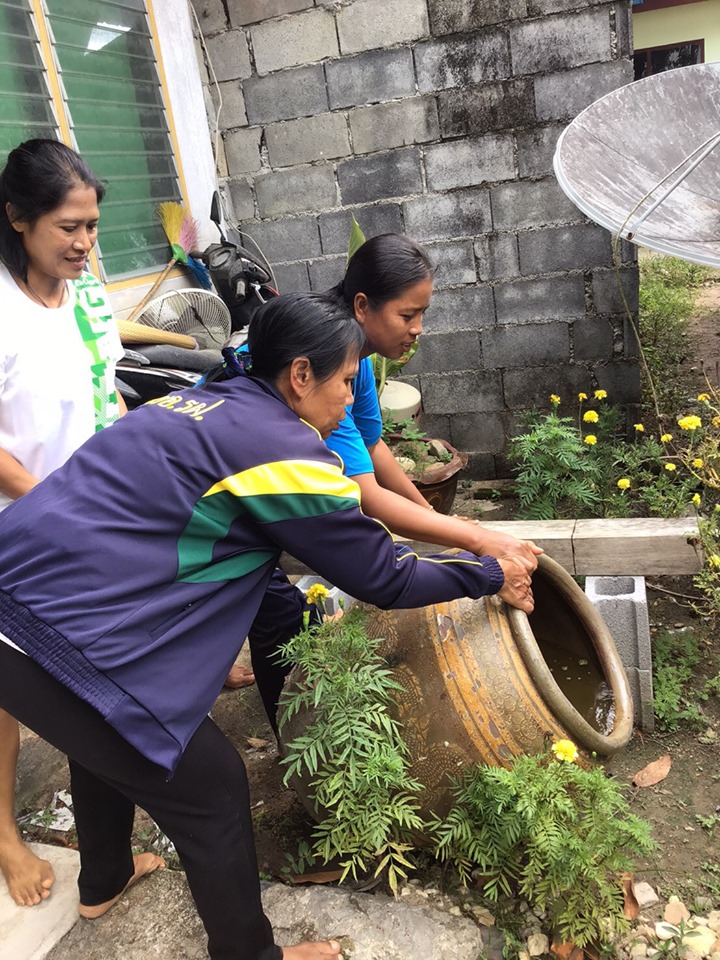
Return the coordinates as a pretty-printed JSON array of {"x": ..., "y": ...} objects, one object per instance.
[{"x": 237, "y": 363}]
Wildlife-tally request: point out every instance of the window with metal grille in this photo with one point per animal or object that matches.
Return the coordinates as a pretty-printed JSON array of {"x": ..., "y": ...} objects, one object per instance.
[{"x": 99, "y": 58}]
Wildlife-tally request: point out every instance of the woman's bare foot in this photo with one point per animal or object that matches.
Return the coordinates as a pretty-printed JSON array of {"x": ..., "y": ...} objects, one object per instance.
[
  {"x": 321, "y": 950},
  {"x": 239, "y": 677},
  {"x": 28, "y": 878},
  {"x": 145, "y": 863}
]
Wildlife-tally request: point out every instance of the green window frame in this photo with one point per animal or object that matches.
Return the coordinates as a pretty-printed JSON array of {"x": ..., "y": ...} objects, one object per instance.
[{"x": 109, "y": 103}]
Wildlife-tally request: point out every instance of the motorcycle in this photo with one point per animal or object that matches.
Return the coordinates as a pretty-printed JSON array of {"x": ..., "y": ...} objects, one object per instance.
[{"x": 242, "y": 280}]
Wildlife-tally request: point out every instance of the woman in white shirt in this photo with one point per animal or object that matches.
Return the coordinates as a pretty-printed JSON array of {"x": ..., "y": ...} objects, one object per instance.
[{"x": 58, "y": 350}]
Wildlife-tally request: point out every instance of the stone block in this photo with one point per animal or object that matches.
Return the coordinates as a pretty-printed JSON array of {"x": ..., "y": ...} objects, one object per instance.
[
  {"x": 327, "y": 272},
  {"x": 536, "y": 149},
  {"x": 291, "y": 41},
  {"x": 295, "y": 238},
  {"x": 230, "y": 55},
  {"x": 622, "y": 604},
  {"x": 545, "y": 299},
  {"x": 435, "y": 426},
  {"x": 482, "y": 466},
  {"x": 372, "y": 77},
  {"x": 233, "y": 105},
  {"x": 512, "y": 345},
  {"x": 475, "y": 391},
  {"x": 631, "y": 347},
  {"x": 530, "y": 387},
  {"x": 368, "y": 24},
  {"x": 540, "y": 8},
  {"x": 387, "y": 125},
  {"x": 454, "y": 262},
  {"x": 286, "y": 95},
  {"x": 609, "y": 296},
  {"x": 211, "y": 15},
  {"x": 464, "y": 213},
  {"x": 379, "y": 176},
  {"x": 470, "y": 162},
  {"x": 447, "y": 352},
  {"x": 559, "y": 43},
  {"x": 593, "y": 339},
  {"x": 560, "y": 96},
  {"x": 242, "y": 150},
  {"x": 294, "y": 190},
  {"x": 477, "y": 431},
  {"x": 497, "y": 256},
  {"x": 486, "y": 108},
  {"x": 337, "y": 598},
  {"x": 621, "y": 26},
  {"x": 242, "y": 200},
  {"x": 528, "y": 204},
  {"x": 564, "y": 248},
  {"x": 252, "y": 11},
  {"x": 292, "y": 277},
  {"x": 481, "y": 58},
  {"x": 460, "y": 308},
  {"x": 377, "y": 218},
  {"x": 621, "y": 380},
  {"x": 462, "y": 16},
  {"x": 323, "y": 137}
]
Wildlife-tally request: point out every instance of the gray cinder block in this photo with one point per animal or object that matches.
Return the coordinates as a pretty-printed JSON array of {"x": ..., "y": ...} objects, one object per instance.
[
  {"x": 332, "y": 602},
  {"x": 622, "y": 603}
]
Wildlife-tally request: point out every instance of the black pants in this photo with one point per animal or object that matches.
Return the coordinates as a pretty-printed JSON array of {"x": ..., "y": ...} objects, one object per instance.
[{"x": 204, "y": 809}]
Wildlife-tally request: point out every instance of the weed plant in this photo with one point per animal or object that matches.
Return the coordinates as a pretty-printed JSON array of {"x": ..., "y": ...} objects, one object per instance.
[
  {"x": 351, "y": 752},
  {"x": 550, "y": 832},
  {"x": 676, "y": 656}
]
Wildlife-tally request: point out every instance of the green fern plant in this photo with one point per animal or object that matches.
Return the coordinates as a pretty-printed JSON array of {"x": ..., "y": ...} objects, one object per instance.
[
  {"x": 550, "y": 832},
  {"x": 352, "y": 751}
]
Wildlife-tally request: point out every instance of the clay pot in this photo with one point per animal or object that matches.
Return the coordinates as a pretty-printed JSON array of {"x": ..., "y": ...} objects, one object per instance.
[
  {"x": 477, "y": 687},
  {"x": 439, "y": 482}
]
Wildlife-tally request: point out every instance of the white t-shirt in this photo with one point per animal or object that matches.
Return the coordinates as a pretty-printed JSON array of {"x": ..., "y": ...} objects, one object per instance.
[{"x": 47, "y": 395}]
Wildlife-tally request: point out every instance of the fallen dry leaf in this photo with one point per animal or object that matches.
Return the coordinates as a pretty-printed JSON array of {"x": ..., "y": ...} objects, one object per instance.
[
  {"x": 323, "y": 876},
  {"x": 256, "y": 743},
  {"x": 653, "y": 773},
  {"x": 631, "y": 908},
  {"x": 562, "y": 950}
]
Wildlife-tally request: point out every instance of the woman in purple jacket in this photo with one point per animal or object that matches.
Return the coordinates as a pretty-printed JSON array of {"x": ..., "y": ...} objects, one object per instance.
[{"x": 102, "y": 594}]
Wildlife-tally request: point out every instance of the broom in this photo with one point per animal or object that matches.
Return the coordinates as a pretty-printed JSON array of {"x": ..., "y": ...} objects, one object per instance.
[{"x": 182, "y": 233}]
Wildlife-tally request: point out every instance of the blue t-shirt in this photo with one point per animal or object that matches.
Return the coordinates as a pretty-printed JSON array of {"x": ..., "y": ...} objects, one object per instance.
[{"x": 362, "y": 426}]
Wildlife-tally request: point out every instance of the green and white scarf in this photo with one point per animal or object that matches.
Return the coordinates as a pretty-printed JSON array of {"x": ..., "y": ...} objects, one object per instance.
[{"x": 93, "y": 315}]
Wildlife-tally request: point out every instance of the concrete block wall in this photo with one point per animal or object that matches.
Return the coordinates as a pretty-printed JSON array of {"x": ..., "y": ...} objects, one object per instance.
[{"x": 437, "y": 118}]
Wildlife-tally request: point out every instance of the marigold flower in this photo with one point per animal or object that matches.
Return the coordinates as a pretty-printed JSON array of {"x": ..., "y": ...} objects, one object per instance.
[
  {"x": 715, "y": 421},
  {"x": 591, "y": 440},
  {"x": 600, "y": 394},
  {"x": 671, "y": 467},
  {"x": 590, "y": 416},
  {"x": 565, "y": 750},
  {"x": 713, "y": 560},
  {"x": 698, "y": 462},
  {"x": 316, "y": 593},
  {"x": 554, "y": 399},
  {"x": 697, "y": 499},
  {"x": 704, "y": 397},
  {"x": 623, "y": 483},
  {"x": 582, "y": 396},
  {"x": 689, "y": 423},
  {"x": 666, "y": 438},
  {"x": 639, "y": 427}
]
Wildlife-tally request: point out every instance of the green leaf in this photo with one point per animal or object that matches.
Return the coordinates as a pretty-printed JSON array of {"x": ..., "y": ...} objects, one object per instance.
[{"x": 357, "y": 238}]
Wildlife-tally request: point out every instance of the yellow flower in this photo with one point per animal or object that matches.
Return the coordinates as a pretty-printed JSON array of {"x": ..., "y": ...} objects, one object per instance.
[
  {"x": 600, "y": 394},
  {"x": 689, "y": 423},
  {"x": 671, "y": 467},
  {"x": 698, "y": 462},
  {"x": 554, "y": 399},
  {"x": 590, "y": 440},
  {"x": 666, "y": 438},
  {"x": 715, "y": 421},
  {"x": 565, "y": 750},
  {"x": 590, "y": 416},
  {"x": 639, "y": 427},
  {"x": 697, "y": 499},
  {"x": 713, "y": 560},
  {"x": 703, "y": 397},
  {"x": 582, "y": 396},
  {"x": 317, "y": 592},
  {"x": 623, "y": 483}
]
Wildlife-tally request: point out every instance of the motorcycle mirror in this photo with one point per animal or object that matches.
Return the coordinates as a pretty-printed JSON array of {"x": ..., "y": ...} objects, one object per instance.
[{"x": 215, "y": 214}]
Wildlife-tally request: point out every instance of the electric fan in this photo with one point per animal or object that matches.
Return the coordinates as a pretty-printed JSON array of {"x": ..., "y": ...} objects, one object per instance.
[{"x": 199, "y": 314}]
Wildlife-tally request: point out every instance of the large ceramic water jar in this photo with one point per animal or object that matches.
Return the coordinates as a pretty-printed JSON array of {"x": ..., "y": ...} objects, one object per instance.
[{"x": 483, "y": 682}]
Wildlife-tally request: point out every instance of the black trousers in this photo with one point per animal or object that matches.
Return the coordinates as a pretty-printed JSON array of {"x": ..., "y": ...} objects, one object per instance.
[{"x": 204, "y": 809}]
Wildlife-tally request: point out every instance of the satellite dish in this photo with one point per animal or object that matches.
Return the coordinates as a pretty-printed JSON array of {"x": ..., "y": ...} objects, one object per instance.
[{"x": 644, "y": 162}]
